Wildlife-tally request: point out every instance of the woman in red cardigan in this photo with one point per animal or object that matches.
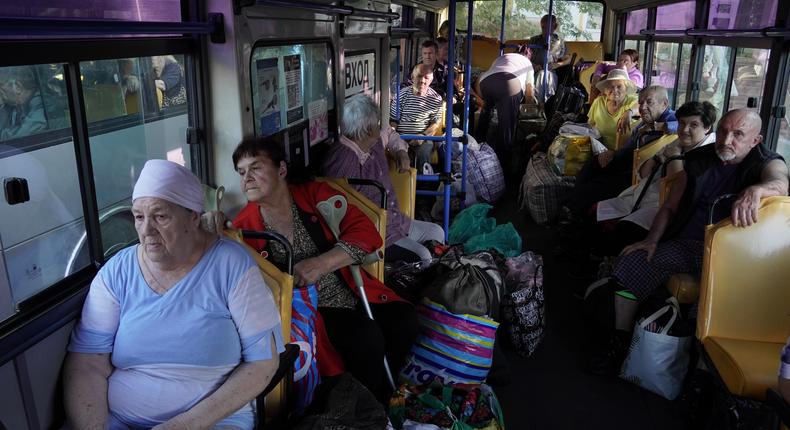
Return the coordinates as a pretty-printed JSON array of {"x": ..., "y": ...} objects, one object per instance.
[{"x": 278, "y": 203}]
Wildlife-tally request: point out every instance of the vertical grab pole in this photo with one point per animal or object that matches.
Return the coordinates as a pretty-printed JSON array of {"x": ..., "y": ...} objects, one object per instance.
[
  {"x": 467, "y": 95},
  {"x": 397, "y": 85},
  {"x": 550, "y": 27},
  {"x": 501, "y": 29},
  {"x": 448, "y": 126}
]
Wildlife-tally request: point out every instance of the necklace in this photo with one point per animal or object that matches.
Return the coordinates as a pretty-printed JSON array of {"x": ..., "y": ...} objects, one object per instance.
[{"x": 160, "y": 287}]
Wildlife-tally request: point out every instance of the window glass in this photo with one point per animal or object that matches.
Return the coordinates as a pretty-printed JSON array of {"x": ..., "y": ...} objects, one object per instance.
[
  {"x": 715, "y": 70},
  {"x": 665, "y": 66},
  {"x": 399, "y": 10},
  {"x": 38, "y": 236},
  {"x": 137, "y": 110},
  {"x": 783, "y": 145},
  {"x": 421, "y": 20},
  {"x": 138, "y": 10},
  {"x": 683, "y": 74},
  {"x": 677, "y": 16},
  {"x": 578, "y": 20},
  {"x": 749, "y": 78},
  {"x": 396, "y": 78},
  {"x": 636, "y": 22},
  {"x": 741, "y": 14},
  {"x": 639, "y": 46},
  {"x": 291, "y": 85}
]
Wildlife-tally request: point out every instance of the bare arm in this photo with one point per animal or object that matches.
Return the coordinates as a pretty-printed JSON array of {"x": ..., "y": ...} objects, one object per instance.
[
  {"x": 646, "y": 168},
  {"x": 310, "y": 270},
  {"x": 773, "y": 183},
  {"x": 85, "y": 390},
  {"x": 246, "y": 381},
  {"x": 662, "y": 219}
]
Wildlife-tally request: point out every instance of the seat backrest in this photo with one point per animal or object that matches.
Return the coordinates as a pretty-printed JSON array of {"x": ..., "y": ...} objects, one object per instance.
[
  {"x": 281, "y": 285},
  {"x": 484, "y": 51},
  {"x": 744, "y": 290},
  {"x": 585, "y": 51},
  {"x": 666, "y": 185},
  {"x": 585, "y": 77},
  {"x": 644, "y": 153},
  {"x": 372, "y": 210},
  {"x": 405, "y": 186}
]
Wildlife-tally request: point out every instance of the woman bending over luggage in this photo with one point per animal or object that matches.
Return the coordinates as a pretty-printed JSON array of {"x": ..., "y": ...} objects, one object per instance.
[{"x": 277, "y": 203}]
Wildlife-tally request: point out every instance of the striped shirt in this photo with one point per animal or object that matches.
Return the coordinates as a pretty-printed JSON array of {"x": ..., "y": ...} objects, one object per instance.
[{"x": 416, "y": 112}]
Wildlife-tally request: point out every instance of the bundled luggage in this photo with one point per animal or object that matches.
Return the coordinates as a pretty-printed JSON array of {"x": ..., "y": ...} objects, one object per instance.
[
  {"x": 542, "y": 190},
  {"x": 445, "y": 407}
]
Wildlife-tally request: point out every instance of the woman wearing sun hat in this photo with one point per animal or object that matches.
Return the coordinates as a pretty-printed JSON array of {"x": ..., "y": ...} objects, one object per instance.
[{"x": 616, "y": 101}]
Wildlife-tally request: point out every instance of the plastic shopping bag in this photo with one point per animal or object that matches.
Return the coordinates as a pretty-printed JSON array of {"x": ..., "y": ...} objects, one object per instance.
[
  {"x": 658, "y": 361},
  {"x": 303, "y": 333}
]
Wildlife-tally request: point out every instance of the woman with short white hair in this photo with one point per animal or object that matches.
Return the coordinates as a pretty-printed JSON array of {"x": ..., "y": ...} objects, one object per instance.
[{"x": 361, "y": 153}]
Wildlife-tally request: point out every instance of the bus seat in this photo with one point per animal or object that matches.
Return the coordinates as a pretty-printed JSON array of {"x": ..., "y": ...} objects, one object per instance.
[
  {"x": 104, "y": 101},
  {"x": 484, "y": 51},
  {"x": 743, "y": 321},
  {"x": 405, "y": 186},
  {"x": 646, "y": 152},
  {"x": 585, "y": 51},
  {"x": 376, "y": 214},
  {"x": 281, "y": 285}
]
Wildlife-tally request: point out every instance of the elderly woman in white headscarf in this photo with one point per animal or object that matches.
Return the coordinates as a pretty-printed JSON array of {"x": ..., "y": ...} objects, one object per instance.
[{"x": 177, "y": 332}]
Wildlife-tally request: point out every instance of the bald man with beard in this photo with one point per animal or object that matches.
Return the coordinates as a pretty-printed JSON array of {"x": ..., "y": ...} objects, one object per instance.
[{"x": 737, "y": 163}]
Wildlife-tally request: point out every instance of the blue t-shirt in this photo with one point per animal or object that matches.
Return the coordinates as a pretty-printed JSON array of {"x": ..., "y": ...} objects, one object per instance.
[{"x": 171, "y": 350}]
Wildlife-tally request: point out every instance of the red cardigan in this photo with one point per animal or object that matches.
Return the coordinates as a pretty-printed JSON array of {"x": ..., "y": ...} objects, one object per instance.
[{"x": 355, "y": 229}]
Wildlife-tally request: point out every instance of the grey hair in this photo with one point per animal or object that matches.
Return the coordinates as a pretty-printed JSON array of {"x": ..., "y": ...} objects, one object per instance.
[
  {"x": 658, "y": 90},
  {"x": 360, "y": 118}
]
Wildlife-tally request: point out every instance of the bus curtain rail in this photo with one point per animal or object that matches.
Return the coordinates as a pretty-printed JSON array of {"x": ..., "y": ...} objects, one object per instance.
[
  {"x": 329, "y": 9},
  {"x": 775, "y": 32}
]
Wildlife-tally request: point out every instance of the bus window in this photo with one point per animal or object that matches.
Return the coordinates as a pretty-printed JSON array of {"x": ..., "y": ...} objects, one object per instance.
[
  {"x": 783, "y": 146},
  {"x": 38, "y": 235},
  {"x": 749, "y": 78},
  {"x": 579, "y": 20},
  {"x": 292, "y": 84},
  {"x": 665, "y": 66},
  {"x": 740, "y": 14},
  {"x": 635, "y": 22},
  {"x": 683, "y": 74},
  {"x": 677, "y": 16},
  {"x": 715, "y": 71},
  {"x": 399, "y": 10}
]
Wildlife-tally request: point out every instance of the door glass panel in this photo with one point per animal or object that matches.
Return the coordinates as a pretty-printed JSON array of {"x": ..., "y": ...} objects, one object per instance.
[
  {"x": 683, "y": 74},
  {"x": 38, "y": 236},
  {"x": 715, "y": 69},
  {"x": 749, "y": 78},
  {"x": 665, "y": 66}
]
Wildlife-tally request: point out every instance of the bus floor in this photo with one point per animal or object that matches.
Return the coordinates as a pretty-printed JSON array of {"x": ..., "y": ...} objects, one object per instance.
[{"x": 549, "y": 390}]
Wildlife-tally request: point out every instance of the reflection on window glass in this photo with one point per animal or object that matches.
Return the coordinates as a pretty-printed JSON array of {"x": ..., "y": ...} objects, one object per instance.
[
  {"x": 32, "y": 101},
  {"x": 713, "y": 81},
  {"x": 138, "y": 10},
  {"x": 741, "y": 14},
  {"x": 683, "y": 75},
  {"x": 137, "y": 110},
  {"x": 37, "y": 236},
  {"x": 636, "y": 21},
  {"x": 665, "y": 65},
  {"x": 399, "y": 10},
  {"x": 639, "y": 46},
  {"x": 291, "y": 85},
  {"x": 677, "y": 16},
  {"x": 395, "y": 75},
  {"x": 783, "y": 145},
  {"x": 749, "y": 78},
  {"x": 578, "y": 20},
  {"x": 421, "y": 20}
]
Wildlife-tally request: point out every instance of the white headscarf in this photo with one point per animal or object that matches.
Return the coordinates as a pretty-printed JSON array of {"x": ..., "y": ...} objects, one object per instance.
[{"x": 169, "y": 181}]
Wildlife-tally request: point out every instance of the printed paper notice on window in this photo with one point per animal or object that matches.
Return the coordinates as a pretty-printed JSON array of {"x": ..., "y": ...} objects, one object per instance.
[
  {"x": 267, "y": 105},
  {"x": 319, "y": 121},
  {"x": 293, "y": 84}
]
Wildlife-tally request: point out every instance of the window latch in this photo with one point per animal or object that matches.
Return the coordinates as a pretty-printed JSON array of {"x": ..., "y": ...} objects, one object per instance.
[
  {"x": 16, "y": 190},
  {"x": 192, "y": 136}
]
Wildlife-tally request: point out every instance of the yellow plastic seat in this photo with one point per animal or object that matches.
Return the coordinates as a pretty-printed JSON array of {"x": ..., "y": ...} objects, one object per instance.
[
  {"x": 376, "y": 214},
  {"x": 743, "y": 319},
  {"x": 585, "y": 51},
  {"x": 646, "y": 152},
  {"x": 405, "y": 186},
  {"x": 281, "y": 285},
  {"x": 485, "y": 50}
]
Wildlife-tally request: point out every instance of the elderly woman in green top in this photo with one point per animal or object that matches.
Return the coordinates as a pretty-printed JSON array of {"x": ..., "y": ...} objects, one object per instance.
[{"x": 612, "y": 110}]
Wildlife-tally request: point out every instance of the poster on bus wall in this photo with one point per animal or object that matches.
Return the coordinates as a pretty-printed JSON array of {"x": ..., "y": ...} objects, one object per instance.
[
  {"x": 360, "y": 74},
  {"x": 293, "y": 85},
  {"x": 268, "y": 104}
]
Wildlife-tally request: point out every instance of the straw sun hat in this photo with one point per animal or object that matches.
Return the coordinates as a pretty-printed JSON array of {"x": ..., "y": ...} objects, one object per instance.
[{"x": 613, "y": 76}]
